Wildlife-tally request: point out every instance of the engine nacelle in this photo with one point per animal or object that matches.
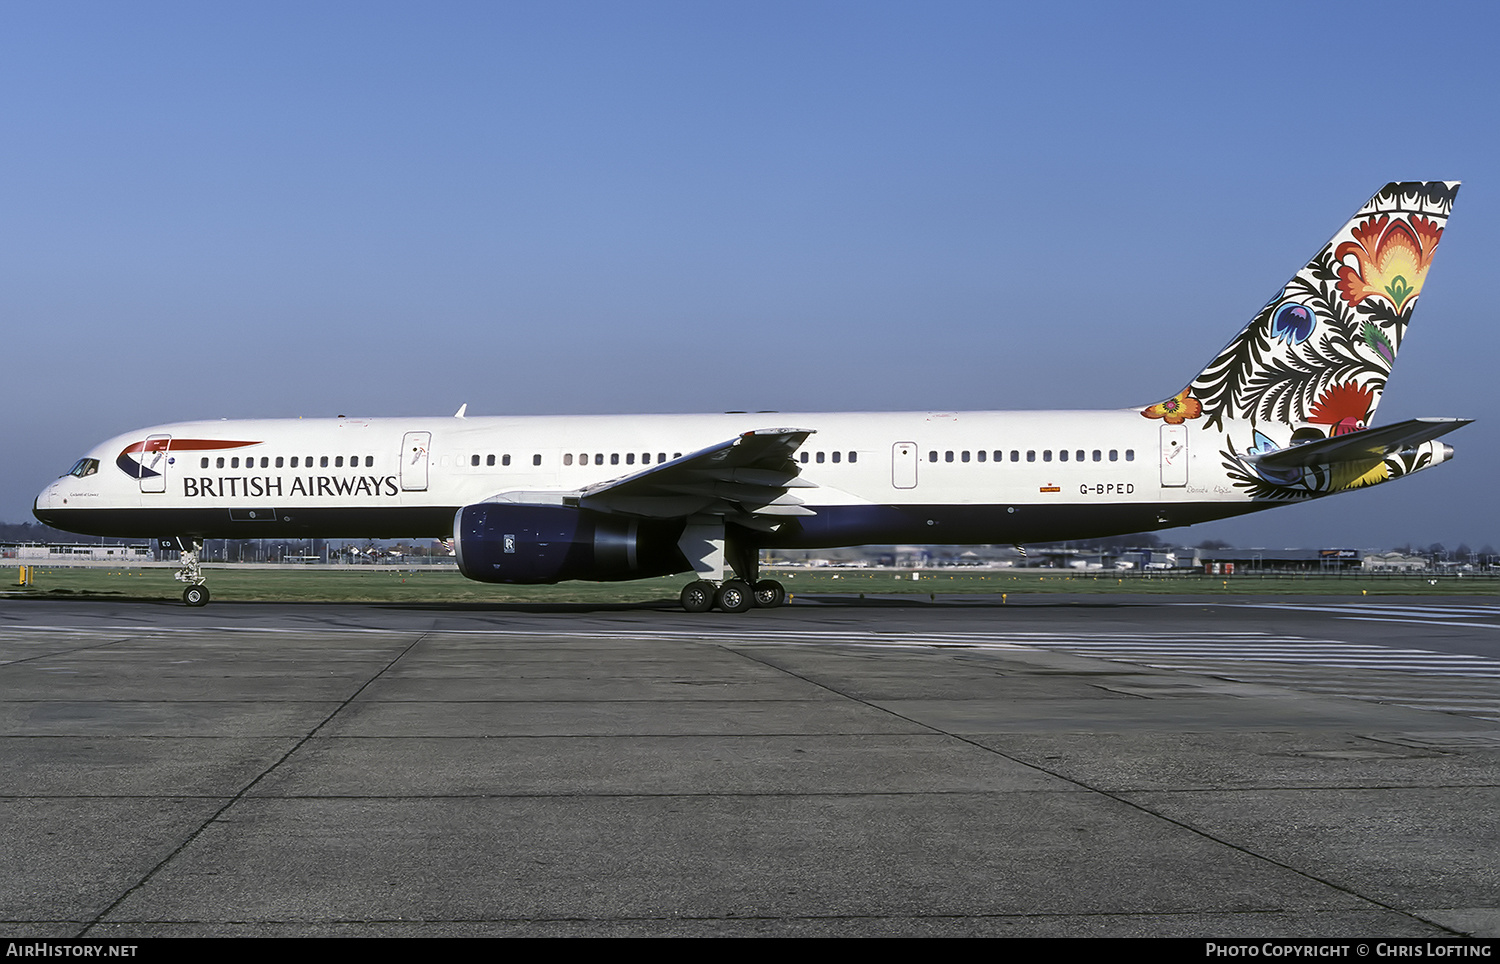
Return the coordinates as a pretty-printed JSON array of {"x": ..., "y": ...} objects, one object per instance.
[{"x": 502, "y": 542}]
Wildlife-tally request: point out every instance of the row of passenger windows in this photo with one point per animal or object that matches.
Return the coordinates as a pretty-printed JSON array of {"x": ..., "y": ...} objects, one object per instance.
[
  {"x": 585, "y": 458},
  {"x": 998, "y": 455},
  {"x": 614, "y": 458},
  {"x": 337, "y": 461},
  {"x": 296, "y": 462},
  {"x": 1077, "y": 455}
]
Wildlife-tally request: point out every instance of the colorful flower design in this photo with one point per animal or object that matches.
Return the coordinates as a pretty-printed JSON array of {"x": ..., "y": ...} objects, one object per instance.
[
  {"x": 1345, "y": 408},
  {"x": 1292, "y": 323},
  {"x": 1177, "y": 409},
  {"x": 1393, "y": 257},
  {"x": 1338, "y": 323}
]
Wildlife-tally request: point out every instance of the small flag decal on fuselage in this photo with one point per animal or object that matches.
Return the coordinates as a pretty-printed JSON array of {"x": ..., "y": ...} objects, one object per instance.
[{"x": 1051, "y": 488}]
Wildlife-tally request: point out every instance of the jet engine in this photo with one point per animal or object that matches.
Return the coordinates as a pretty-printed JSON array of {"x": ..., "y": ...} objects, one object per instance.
[{"x": 502, "y": 542}]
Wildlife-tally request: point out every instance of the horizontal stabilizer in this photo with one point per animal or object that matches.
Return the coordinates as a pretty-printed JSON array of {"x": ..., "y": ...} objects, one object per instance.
[{"x": 1369, "y": 445}]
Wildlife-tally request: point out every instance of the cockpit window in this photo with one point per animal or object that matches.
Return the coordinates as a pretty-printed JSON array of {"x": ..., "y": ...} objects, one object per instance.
[{"x": 84, "y": 467}]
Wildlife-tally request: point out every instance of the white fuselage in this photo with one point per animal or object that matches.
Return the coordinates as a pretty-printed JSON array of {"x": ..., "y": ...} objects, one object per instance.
[{"x": 1078, "y": 473}]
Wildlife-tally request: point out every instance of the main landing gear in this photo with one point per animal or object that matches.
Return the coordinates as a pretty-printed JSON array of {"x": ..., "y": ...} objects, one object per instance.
[
  {"x": 196, "y": 593},
  {"x": 733, "y": 596},
  {"x": 715, "y": 554}
]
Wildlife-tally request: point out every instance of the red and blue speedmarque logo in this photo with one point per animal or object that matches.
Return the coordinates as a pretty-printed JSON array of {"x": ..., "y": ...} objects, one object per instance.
[{"x": 152, "y": 450}]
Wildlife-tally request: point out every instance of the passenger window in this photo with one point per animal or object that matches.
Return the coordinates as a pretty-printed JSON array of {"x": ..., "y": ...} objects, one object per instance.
[
  {"x": 204, "y": 463},
  {"x": 820, "y": 458},
  {"x": 853, "y": 456},
  {"x": 629, "y": 458},
  {"x": 948, "y": 456},
  {"x": 567, "y": 458},
  {"x": 294, "y": 461},
  {"x": 278, "y": 462},
  {"x": 1016, "y": 456},
  {"x": 1096, "y": 455},
  {"x": 1031, "y": 455},
  {"x": 804, "y": 457},
  {"x": 370, "y": 461},
  {"x": 837, "y": 456},
  {"x": 981, "y": 455},
  {"x": 265, "y": 462},
  {"x": 1062, "y": 456},
  {"x": 932, "y": 456},
  {"x": 1130, "y": 455},
  {"x": 338, "y": 461},
  {"x": 1079, "y": 455},
  {"x": 323, "y": 462},
  {"x": 645, "y": 458},
  {"x": 474, "y": 460},
  {"x": 505, "y": 460},
  {"x": 1114, "y": 455},
  {"x": 614, "y": 458},
  {"x": 490, "y": 460},
  {"x": 536, "y": 460},
  {"x": 1046, "y": 455},
  {"x": 234, "y": 463}
]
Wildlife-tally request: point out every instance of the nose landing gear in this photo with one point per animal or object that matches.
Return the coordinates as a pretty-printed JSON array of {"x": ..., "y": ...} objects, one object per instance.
[{"x": 196, "y": 593}]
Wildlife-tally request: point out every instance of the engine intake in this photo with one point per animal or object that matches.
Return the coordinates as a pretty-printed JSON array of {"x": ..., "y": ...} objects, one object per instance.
[{"x": 497, "y": 542}]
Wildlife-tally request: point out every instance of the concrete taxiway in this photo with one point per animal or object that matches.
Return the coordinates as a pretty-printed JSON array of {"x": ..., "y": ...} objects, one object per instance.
[{"x": 1105, "y": 765}]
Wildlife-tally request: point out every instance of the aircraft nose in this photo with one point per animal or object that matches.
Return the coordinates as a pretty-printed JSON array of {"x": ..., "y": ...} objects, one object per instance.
[{"x": 45, "y": 500}]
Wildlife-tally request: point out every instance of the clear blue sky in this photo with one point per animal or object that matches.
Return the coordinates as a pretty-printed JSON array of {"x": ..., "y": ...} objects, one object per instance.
[{"x": 265, "y": 209}]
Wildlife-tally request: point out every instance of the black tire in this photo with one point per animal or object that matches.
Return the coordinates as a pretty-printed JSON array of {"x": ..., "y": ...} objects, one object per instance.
[
  {"x": 698, "y": 597},
  {"x": 195, "y": 596},
  {"x": 734, "y": 597},
  {"x": 769, "y": 594}
]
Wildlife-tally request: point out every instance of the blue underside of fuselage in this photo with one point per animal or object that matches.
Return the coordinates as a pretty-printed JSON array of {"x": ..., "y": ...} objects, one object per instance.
[{"x": 831, "y": 526}]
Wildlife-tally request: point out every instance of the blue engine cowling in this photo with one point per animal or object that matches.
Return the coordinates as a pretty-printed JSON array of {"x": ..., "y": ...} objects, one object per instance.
[{"x": 501, "y": 542}]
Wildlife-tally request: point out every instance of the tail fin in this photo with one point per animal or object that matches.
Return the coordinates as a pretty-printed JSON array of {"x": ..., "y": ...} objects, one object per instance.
[{"x": 1320, "y": 351}]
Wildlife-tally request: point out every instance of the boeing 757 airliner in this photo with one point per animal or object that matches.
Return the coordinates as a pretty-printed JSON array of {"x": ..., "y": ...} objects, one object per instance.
[{"x": 1281, "y": 415}]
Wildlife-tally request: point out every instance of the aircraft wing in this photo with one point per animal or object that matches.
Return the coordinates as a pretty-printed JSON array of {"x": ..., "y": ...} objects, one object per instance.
[
  {"x": 748, "y": 478},
  {"x": 1369, "y": 445}
]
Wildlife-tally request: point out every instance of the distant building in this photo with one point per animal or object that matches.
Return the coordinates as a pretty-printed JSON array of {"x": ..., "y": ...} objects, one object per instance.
[
  {"x": 1394, "y": 562},
  {"x": 1230, "y": 561},
  {"x": 77, "y": 553}
]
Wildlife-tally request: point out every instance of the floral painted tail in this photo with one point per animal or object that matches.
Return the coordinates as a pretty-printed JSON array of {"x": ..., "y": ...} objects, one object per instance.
[{"x": 1316, "y": 358}]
